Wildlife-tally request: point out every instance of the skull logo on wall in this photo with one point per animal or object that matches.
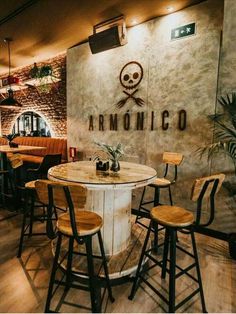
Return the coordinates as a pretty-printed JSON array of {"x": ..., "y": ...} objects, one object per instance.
[{"x": 130, "y": 77}]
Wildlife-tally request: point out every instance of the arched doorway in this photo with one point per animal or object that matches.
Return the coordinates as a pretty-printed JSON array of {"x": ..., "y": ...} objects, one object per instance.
[{"x": 30, "y": 123}]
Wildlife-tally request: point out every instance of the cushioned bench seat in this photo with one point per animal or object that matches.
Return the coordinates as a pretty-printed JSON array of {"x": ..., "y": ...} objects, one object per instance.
[{"x": 53, "y": 146}]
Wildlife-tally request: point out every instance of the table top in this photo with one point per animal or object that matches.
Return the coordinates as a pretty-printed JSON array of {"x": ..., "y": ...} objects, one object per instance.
[
  {"x": 131, "y": 175},
  {"x": 20, "y": 148}
]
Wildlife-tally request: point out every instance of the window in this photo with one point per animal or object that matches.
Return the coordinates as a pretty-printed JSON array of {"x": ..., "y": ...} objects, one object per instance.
[{"x": 31, "y": 124}]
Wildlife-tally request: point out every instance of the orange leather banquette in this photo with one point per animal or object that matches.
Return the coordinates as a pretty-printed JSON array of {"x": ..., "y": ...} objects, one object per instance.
[{"x": 53, "y": 146}]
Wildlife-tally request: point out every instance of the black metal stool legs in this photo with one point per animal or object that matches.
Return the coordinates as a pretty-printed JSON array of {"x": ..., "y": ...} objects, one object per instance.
[
  {"x": 31, "y": 214},
  {"x": 69, "y": 263},
  {"x": 170, "y": 246},
  {"x": 165, "y": 254},
  {"x": 53, "y": 274},
  {"x": 170, "y": 196},
  {"x": 135, "y": 283},
  {"x": 172, "y": 270},
  {"x": 140, "y": 204},
  {"x": 204, "y": 310},
  {"x": 94, "y": 286},
  {"x": 105, "y": 267},
  {"x": 22, "y": 235},
  {"x": 25, "y": 215}
]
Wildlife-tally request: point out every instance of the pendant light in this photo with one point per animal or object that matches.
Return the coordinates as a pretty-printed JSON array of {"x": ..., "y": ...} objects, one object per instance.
[{"x": 9, "y": 102}]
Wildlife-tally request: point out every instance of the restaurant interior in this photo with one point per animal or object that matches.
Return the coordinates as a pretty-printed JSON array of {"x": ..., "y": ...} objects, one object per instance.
[{"x": 117, "y": 151}]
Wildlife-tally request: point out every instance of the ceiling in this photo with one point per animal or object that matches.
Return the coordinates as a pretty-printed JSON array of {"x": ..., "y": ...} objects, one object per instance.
[{"x": 41, "y": 29}]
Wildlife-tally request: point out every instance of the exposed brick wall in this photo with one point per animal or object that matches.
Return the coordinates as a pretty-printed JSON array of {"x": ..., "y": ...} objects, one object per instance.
[{"x": 50, "y": 105}]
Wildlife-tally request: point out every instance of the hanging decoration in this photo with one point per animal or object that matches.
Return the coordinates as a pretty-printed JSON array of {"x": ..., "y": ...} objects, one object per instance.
[{"x": 9, "y": 102}]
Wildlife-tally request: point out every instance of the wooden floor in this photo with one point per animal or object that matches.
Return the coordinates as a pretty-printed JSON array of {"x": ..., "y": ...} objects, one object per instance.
[{"x": 23, "y": 282}]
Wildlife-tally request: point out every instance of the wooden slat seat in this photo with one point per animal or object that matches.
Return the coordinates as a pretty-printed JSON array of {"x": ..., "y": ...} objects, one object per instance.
[
  {"x": 30, "y": 185},
  {"x": 87, "y": 223},
  {"x": 172, "y": 158},
  {"x": 15, "y": 160},
  {"x": 172, "y": 216},
  {"x": 160, "y": 182}
]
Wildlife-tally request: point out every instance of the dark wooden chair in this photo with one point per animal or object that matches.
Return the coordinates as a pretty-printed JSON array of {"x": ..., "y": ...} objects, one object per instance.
[
  {"x": 42, "y": 171},
  {"x": 176, "y": 219},
  {"x": 11, "y": 178}
]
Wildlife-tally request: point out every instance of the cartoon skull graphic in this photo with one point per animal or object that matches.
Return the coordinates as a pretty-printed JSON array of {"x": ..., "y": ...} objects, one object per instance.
[{"x": 131, "y": 75}]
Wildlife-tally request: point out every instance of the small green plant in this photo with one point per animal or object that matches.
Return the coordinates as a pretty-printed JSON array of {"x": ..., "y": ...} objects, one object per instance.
[
  {"x": 41, "y": 72},
  {"x": 10, "y": 137},
  {"x": 225, "y": 131},
  {"x": 113, "y": 152}
]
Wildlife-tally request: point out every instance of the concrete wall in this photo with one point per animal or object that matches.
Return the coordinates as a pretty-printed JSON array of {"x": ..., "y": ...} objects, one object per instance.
[
  {"x": 228, "y": 56},
  {"x": 180, "y": 74}
]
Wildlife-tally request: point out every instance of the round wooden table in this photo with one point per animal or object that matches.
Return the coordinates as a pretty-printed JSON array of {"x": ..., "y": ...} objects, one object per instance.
[{"x": 110, "y": 195}]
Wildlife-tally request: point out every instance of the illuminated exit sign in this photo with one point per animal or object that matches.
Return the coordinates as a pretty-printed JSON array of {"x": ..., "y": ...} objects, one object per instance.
[{"x": 183, "y": 31}]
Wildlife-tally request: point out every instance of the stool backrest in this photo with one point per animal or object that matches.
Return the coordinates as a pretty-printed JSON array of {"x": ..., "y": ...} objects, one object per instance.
[
  {"x": 15, "y": 160},
  {"x": 41, "y": 187},
  {"x": 48, "y": 162},
  {"x": 62, "y": 196},
  {"x": 205, "y": 189},
  {"x": 66, "y": 194},
  {"x": 172, "y": 159}
]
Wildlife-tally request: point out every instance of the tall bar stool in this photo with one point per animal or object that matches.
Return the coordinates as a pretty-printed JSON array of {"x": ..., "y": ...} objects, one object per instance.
[
  {"x": 48, "y": 161},
  {"x": 29, "y": 216},
  {"x": 171, "y": 160},
  {"x": 11, "y": 177},
  {"x": 176, "y": 219},
  {"x": 30, "y": 199},
  {"x": 80, "y": 226}
]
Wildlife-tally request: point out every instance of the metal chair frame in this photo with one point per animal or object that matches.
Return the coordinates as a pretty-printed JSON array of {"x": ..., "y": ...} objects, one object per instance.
[
  {"x": 170, "y": 244},
  {"x": 94, "y": 282}
]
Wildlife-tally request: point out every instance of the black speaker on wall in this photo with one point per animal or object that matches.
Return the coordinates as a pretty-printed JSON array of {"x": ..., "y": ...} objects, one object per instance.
[{"x": 107, "y": 39}]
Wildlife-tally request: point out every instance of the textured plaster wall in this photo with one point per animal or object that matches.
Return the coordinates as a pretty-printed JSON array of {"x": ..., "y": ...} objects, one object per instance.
[
  {"x": 180, "y": 74},
  {"x": 228, "y": 58},
  {"x": 227, "y": 84},
  {"x": 50, "y": 105}
]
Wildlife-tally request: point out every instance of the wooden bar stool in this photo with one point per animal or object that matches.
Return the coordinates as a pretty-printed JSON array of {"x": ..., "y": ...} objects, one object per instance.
[
  {"x": 29, "y": 217},
  {"x": 80, "y": 226},
  {"x": 176, "y": 219},
  {"x": 11, "y": 178},
  {"x": 171, "y": 161},
  {"x": 30, "y": 198}
]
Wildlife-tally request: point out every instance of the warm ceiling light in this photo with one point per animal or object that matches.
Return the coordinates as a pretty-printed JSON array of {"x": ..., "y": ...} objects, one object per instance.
[
  {"x": 134, "y": 22},
  {"x": 9, "y": 102},
  {"x": 170, "y": 9}
]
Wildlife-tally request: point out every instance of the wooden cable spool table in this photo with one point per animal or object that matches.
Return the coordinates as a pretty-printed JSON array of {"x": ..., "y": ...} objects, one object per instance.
[{"x": 110, "y": 196}]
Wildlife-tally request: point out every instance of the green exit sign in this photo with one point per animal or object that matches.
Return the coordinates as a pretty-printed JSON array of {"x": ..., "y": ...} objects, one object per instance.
[{"x": 183, "y": 31}]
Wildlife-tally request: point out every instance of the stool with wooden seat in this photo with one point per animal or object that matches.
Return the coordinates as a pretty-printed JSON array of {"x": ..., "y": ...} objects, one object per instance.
[
  {"x": 41, "y": 172},
  {"x": 176, "y": 219},
  {"x": 29, "y": 214},
  {"x": 11, "y": 176},
  {"x": 80, "y": 226},
  {"x": 30, "y": 197},
  {"x": 170, "y": 160}
]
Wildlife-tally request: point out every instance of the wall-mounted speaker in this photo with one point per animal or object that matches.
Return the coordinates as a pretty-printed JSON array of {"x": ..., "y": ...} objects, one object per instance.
[{"x": 109, "y": 38}]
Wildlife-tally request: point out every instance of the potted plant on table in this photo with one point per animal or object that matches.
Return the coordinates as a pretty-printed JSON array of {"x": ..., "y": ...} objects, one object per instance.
[
  {"x": 10, "y": 138},
  {"x": 225, "y": 142},
  {"x": 114, "y": 153}
]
